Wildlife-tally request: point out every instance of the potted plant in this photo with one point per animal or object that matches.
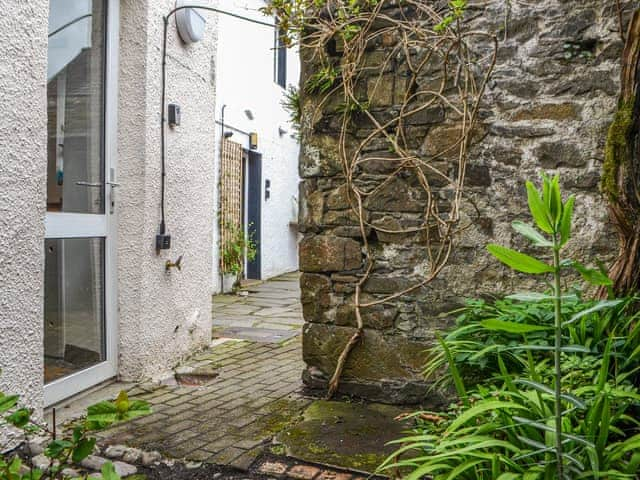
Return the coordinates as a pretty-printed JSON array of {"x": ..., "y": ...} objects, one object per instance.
[{"x": 237, "y": 248}]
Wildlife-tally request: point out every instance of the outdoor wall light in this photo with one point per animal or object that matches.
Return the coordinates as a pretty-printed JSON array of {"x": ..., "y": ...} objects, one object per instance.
[
  {"x": 249, "y": 114},
  {"x": 190, "y": 22},
  {"x": 253, "y": 141},
  {"x": 227, "y": 134}
]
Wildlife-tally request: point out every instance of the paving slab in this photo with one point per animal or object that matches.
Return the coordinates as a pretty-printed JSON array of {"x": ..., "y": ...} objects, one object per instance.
[
  {"x": 271, "y": 305},
  {"x": 346, "y": 434}
]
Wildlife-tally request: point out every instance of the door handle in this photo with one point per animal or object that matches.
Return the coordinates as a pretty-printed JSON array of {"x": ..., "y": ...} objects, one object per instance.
[
  {"x": 89, "y": 184},
  {"x": 112, "y": 203}
]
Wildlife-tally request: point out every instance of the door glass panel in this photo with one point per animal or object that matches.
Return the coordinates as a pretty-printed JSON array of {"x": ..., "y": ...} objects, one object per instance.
[
  {"x": 74, "y": 305},
  {"x": 75, "y": 103}
]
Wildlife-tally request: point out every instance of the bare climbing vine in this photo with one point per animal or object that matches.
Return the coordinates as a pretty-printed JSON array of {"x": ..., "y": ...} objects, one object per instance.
[{"x": 427, "y": 43}]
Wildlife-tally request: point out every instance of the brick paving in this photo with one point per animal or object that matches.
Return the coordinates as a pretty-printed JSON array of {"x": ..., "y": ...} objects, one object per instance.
[{"x": 228, "y": 420}]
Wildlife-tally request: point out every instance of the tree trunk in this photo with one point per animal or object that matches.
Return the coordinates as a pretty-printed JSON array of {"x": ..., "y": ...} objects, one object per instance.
[{"x": 621, "y": 173}]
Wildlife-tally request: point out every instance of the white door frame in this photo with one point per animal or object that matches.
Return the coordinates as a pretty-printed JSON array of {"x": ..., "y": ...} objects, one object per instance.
[{"x": 71, "y": 225}]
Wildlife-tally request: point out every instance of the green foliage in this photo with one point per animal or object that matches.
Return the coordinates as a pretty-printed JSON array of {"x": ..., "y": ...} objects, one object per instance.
[
  {"x": 293, "y": 105},
  {"x": 456, "y": 12},
  {"x": 322, "y": 80},
  {"x": 547, "y": 380},
  {"x": 475, "y": 345},
  {"x": 69, "y": 450},
  {"x": 238, "y": 246},
  {"x": 352, "y": 107},
  {"x": 107, "y": 413},
  {"x": 295, "y": 17}
]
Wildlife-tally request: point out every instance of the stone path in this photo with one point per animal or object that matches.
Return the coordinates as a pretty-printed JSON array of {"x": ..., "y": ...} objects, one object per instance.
[{"x": 272, "y": 305}]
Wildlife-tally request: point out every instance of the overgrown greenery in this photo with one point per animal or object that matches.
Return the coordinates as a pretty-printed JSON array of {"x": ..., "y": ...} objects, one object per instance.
[
  {"x": 239, "y": 247},
  {"x": 69, "y": 450},
  {"x": 293, "y": 105},
  {"x": 555, "y": 392},
  {"x": 296, "y": 16}
]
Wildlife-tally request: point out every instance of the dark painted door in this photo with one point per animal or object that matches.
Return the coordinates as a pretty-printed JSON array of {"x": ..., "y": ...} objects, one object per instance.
[{"x": 254, "y": 209}]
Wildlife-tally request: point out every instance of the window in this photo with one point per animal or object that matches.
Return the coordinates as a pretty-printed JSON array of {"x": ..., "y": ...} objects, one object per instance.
[
  {"x": 75, "y": 101},
  {"x": 280, "y": 58}
]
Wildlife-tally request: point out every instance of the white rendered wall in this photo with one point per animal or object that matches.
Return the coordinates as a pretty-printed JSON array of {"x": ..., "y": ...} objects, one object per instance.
[
  {"x": 23, "y": 164},
  {"x": 245, "y": 81},
  {"x": 164, "y": 315}
]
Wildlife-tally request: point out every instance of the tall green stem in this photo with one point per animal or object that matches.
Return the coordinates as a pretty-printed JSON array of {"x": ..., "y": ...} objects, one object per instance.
[{"x": 558, "y": 372}]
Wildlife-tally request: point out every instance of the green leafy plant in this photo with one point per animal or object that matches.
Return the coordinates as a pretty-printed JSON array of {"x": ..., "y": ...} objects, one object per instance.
[
  {"x": 475, "y": 346},
  {"x": 71, "y": 449},
  {"x": 238, "y": 247},
  {"x": 322, "y": 80},
  {"x": 292, "y": 104},
  {"x": 456, "y": 12},
  {"x": 295, "y": 16},
  {"x": 555, "y": 398},
  {"x": 552, "y": 217}
]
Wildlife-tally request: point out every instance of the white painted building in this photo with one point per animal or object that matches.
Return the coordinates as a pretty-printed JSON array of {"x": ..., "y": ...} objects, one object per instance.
[
  {"x": 251, "y": 79},
  {"x": 86, "y": 296}
]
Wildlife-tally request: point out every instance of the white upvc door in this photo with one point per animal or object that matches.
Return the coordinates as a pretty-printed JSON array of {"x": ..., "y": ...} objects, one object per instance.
[{"x": 80, "y": 322}]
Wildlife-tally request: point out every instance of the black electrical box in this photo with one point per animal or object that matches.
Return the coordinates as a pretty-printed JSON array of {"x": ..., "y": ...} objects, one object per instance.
[
  {"x": 174, "y": 115},
  {"x": 163, "y": 242}
]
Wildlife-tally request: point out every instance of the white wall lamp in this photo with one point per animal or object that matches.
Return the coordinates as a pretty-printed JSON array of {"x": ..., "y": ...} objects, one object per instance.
[{"x": 190, "y": 22}]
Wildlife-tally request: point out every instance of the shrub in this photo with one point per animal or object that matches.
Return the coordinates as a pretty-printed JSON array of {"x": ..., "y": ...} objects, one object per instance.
[{"x": 553, "y": 393}]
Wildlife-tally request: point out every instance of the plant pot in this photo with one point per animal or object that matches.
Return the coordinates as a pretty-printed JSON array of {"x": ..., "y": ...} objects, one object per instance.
[{"x": 228, "y": 282}]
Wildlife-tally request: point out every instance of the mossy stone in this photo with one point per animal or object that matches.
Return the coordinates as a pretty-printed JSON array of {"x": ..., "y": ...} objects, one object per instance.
[{"x": 348, "y": 435}]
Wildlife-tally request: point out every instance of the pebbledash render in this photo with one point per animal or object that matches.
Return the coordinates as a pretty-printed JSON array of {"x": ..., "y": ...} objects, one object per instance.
[
  {"x": 548, "y": 106},
  {"x": 85, "y": 294}
]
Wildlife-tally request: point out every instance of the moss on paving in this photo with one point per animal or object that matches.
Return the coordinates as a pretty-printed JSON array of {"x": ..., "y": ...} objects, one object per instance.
[
  {"x": 279, "y": 416},
  {"x": 348, "y": 435}
]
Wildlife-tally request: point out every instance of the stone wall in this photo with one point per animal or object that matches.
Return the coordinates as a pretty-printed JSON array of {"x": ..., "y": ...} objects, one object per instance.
[{"x": 547, "y": 107}]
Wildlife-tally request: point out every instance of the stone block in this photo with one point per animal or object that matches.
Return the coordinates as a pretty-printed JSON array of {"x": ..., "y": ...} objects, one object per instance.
[
  {"x": 549, "y": 111},
  {"x": 324, "y": 253},
  {"x": 397, "y": 196},
  {"x": 311, "y": 207},
  {"x": 376, "y": 357},
  {"x": 320, "y": 156},
  {"x": 426, "y": 116},
  {"x": 347, "y": 217},
  {"x": 338, "y": 199},
  {"x": 316, "y": 296},
  {"x": 380, "y": 90},
  {"x": 378, "y": 317},
  {"x": 560, "y": 154}
]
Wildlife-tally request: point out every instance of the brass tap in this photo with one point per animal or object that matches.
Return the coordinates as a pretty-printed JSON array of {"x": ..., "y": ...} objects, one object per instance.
[{"x": 177, "y": 264}]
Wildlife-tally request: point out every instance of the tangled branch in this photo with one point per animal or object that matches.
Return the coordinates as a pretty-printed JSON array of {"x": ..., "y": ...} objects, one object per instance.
[{"x": 445, "y": 68}]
